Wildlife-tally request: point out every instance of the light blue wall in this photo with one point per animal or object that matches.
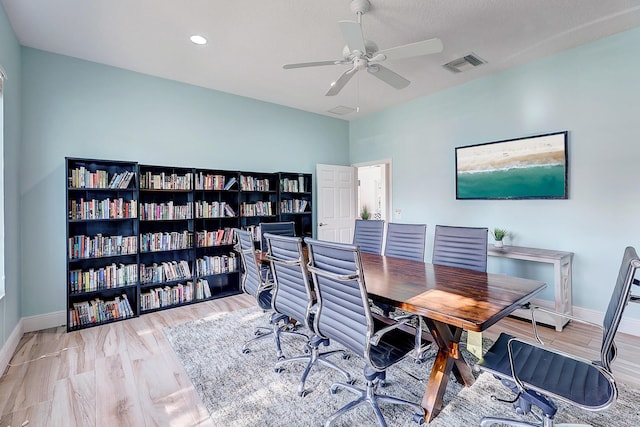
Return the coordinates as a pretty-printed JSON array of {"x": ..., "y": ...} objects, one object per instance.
[
  {"x": 10, "y": 61},
  {"x": 592, "y": 91},
  {"x": 83, "y": 109}
]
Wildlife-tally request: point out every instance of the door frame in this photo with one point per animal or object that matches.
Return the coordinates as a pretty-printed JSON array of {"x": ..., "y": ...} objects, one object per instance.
[{"x": 387, "y": 163}]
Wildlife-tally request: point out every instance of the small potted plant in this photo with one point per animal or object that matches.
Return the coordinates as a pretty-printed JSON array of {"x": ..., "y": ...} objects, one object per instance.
[
  {"x": 498, "y": 235},
  {"x": 364, "y": 214}
]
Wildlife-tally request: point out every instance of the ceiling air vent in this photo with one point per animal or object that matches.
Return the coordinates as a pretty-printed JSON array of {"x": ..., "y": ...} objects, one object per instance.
[
  {"x": 341, "y": 110},
  {"x": 465, "y": 63}
]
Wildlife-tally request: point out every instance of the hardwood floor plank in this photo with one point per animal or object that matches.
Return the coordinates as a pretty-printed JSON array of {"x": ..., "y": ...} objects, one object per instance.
[
  {"x": 74, "y": 401},
  {"x": 116, "y": 394}
]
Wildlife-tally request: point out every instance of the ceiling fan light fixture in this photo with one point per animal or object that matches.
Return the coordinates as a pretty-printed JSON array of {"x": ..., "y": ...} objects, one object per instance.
[{"x": 198, "y": 39}]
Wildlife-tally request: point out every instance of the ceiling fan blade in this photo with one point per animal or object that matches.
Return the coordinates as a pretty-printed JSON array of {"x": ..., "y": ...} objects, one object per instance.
[
  {"x": 389, "y": 77},
  {"x": 352, "y": 33},
  {"x": 425, "y": 47},
  {"x": 337, "y": 86},
  {"x": 311, "y": 64}
]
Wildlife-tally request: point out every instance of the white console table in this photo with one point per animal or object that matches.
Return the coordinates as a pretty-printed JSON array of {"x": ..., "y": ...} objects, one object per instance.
[{"x": 562, "y": 279}]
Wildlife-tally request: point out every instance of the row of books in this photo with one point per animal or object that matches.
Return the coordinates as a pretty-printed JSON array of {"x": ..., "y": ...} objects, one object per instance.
[
  {"x": 214, "y": 182},
  {"x": 100, "y": 246},
  {"x": 177, "y": 294},
  {"x": 165, "y": 271},
  {"x": 293, "y": 185},
  {"x": 102, "y": 209},
  {"x": 160, "y": 211},
  {"x": 223, "y": 236},
  {"x": 249, "y": 183},
  {"x": 108, "y": 277},
  {"x": 256, "y": 209},
  {"x": 83, "y": 178},
  {"x": 293, "y": 206},
  {"x": 165, "y": 181},
  {"x": 217, "y": 264},
  {"x": 215, "y": 209},
  {"x": 97, "y": 311},
  {"x": 166, "y": 241}
]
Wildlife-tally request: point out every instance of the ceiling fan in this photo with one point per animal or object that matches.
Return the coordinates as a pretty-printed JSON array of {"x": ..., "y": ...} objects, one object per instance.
[{"x": 364, "y": 54}]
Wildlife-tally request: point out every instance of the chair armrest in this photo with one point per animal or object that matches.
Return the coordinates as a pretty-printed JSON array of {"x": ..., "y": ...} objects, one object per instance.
[
  {"x": 283, "y": 261},
  {"x": 341, "y": 277},
  {"x": 375, "y": 338},
  {"x": 535, "y": 308}
]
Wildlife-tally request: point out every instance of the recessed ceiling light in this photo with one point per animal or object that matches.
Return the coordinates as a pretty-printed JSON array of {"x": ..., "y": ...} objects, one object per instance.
[{"x": 198, "y": 39}]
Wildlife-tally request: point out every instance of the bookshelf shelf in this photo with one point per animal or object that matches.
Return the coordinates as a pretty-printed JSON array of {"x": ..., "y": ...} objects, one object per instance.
[{"x": 117, "y": 211}]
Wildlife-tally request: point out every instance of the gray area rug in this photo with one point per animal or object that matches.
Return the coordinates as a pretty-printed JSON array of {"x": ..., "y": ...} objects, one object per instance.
[{"x": 243, "y": 389}]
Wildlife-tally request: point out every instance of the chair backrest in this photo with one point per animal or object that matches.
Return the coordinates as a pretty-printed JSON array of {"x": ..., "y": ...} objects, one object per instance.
[
  {"x": 343, "y": 306},
  {"x": 619, "y": 299},
  {"x": 405, "y": 241},
  {"x": 251, "y": 279},
  {"x": 462, "y": 247},
  {"x": 368, "y": 235},
  {"x": 279, "y": 228},
  {"x": 292, "y": 294}
]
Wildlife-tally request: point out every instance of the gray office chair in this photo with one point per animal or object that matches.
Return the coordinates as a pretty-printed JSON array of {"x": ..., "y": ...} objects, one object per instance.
[
  {"x": 462, "y": 247},
  {"x": 405, "y": 241},
  {"x": 368, "y": 234},
  {"x": 279, "y": 228},
  {"x": 344, "y": 316},
  {"x": 538, "y": 374},
  {"x": 294, "y": 298},
  {"x": 254, "y": 285}
]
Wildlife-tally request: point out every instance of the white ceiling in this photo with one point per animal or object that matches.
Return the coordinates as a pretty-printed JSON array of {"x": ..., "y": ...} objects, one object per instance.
[{"x": 250, "y": 40}]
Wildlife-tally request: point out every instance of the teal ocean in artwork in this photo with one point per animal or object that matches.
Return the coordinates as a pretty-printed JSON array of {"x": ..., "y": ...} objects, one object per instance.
[{"x": 545, "y": 181}]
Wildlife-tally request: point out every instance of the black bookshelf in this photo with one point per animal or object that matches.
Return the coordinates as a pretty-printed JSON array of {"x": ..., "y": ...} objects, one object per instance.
[
  {"x": 217, "y": 213},
  {"x": 102, "y": 242},
  {"x": 295, "y": 198},
  {"x": 143, "y": 238}
]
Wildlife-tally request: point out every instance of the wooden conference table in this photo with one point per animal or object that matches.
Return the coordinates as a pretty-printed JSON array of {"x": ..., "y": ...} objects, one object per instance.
[{"x": 449, "y": 300}]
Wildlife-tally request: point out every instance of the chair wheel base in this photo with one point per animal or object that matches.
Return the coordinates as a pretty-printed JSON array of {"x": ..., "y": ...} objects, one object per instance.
[{"x": 304, "y": 393}]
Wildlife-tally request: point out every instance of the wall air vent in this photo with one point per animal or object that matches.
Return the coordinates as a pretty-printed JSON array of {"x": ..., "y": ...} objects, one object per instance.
[
  {"x": 465, "y": 63},
  {"x": 341, "y": 110}
]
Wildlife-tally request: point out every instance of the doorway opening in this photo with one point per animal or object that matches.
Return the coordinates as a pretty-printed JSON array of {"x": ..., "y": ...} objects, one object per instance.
[{"x": 374, "y": 194}]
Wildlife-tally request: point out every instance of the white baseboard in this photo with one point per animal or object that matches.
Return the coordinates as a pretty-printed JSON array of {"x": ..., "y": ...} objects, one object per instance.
[
  {"x": 628, "y": 325},
  {"x": 10, "y": 346},
  {"x": 44, "y": 321}
]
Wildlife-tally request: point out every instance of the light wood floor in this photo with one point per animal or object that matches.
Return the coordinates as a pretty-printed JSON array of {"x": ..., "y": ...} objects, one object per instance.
[{"x": 126, "y": 374}]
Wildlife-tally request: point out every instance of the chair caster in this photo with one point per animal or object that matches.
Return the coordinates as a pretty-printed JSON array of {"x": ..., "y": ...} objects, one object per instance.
[
  {"x": 382, "y": 383},
  {"x": 346, "y": 356},
  {"x": 304, "y": 393},
  {"x": 352, "y": 381},
  {"x": 278, "y": 370},
  {"x": 333, "y": 389},
  {"x": 281, "y": 357},
  {"x": 418, "y": 419},
  {"x": 246, "y": 351}
]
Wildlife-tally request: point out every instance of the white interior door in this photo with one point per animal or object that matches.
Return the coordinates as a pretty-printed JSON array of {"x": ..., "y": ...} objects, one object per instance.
[{"x": 336, "y": 202}]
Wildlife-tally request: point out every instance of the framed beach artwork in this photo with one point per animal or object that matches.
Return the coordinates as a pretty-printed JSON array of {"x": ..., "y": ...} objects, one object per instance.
[{"x": 534, "y": 167}]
